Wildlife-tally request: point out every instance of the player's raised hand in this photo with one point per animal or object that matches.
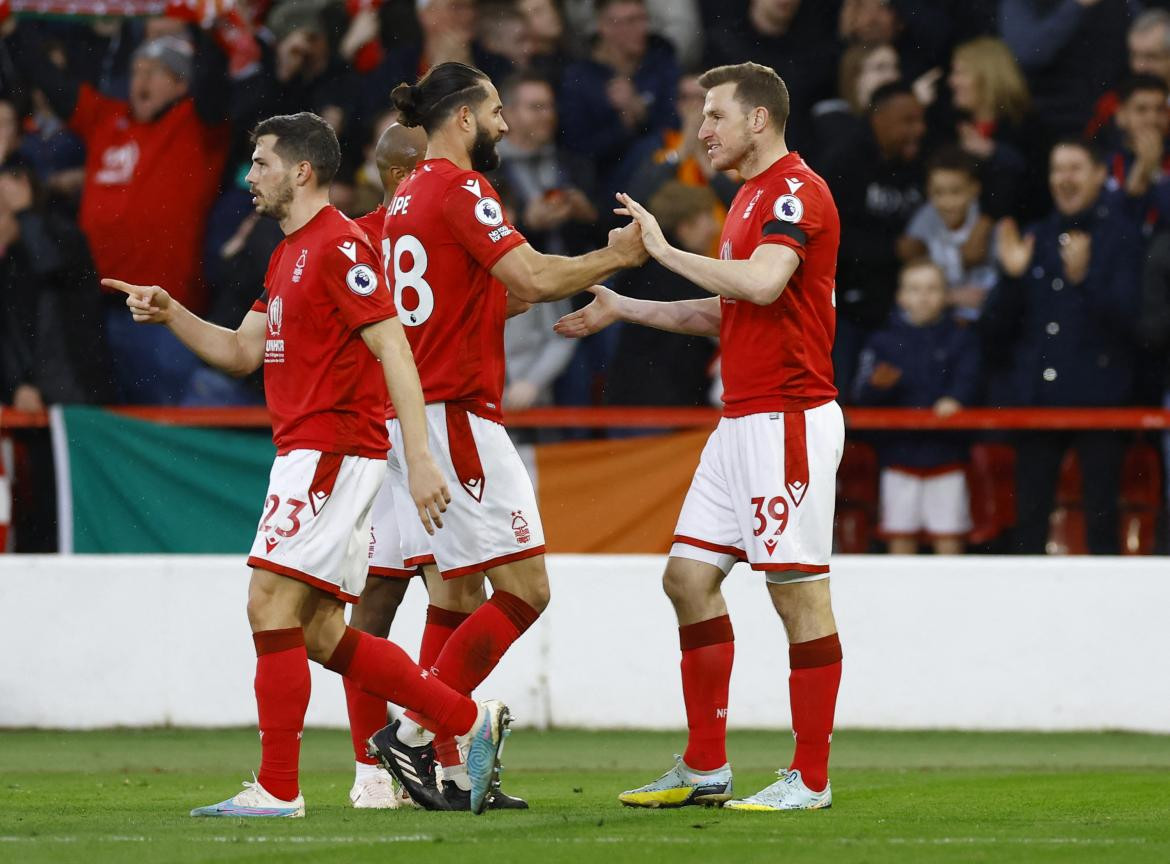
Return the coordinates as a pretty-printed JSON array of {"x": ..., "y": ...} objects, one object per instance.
[
  {"x": 148, "y": 304},
  {"x": 599, "y": 314},
  {"x": 429, "y": 491},
  {"x": 1013, "y": 250},
  {"x": 652, "y": 237}
]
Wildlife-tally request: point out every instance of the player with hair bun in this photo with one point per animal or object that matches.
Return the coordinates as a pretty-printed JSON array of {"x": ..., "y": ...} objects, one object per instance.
[{"x": 454, "y": 259}]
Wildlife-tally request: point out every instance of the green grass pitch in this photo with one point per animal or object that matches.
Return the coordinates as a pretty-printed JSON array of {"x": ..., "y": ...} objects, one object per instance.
[{"x": 123, "y": 796}]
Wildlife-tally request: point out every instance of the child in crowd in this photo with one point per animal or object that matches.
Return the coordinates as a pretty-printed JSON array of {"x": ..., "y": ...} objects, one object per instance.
[
  {"x": 953, "y": 233},
  {"x": 925, "y": 358}
]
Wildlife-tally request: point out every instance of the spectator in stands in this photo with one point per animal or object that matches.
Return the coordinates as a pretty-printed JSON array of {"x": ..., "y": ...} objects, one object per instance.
[
  {"x": 1135, "y": 147},
  {"x": 990, "y": 119},
  {"x": 1154, "y": 325},
  {"x": 448, "y": 31},
  {"x": 678, "y": 154},
  {"x": 503, "y": 31},
  {"x": 546, "y": 33},
  {"x": 545, "y": 188},
  {"x": 953, "y": 232},
  {"x": 790, "y": 36},
  {"x": 920, "y": 30},
  {"x": 623, "y": 92},
  {"x": 676, "y": 21},
  {"x": 1063, "y": 317},
  {"x": 876, "y": 178},
  {"x": 536, "y": 356},
  {"x": 1067, "y": 50},
  {"x": 1148, "y": 43},
  {"x": 862, "y": 70},
  {"x": 52, "y": 345},
  {"x": 153, "y": 167},
  {"x": 656, "y": 367},
  {"x": 924, "y": 358}
]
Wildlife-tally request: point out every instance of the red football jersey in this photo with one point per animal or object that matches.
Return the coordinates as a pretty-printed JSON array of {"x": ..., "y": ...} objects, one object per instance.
[
  {"x": 371, "y": 225},
  {"x": 447, "y": 229},
  {"x": 148, "y": 190},
  {"x": 324, "y": 389},
  {"x": 779, "y": 357}
]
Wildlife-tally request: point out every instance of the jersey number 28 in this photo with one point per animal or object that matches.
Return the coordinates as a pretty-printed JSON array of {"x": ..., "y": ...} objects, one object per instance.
[{"x": 412, "y": 292}]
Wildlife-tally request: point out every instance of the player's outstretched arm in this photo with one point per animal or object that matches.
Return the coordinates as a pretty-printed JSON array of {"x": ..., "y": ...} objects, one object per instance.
[
  {"x": 534, "y": 277},
  {"x": 427, "y": 487},
  {"x": 692, "y": 317},
  {"x": 237, "y": 352},
  {"x": 760, "y": 279}
]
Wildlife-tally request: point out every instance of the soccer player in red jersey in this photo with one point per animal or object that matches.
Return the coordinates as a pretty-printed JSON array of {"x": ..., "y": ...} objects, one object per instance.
[
  {"x": 454, "y": 260},
  {"x": 322, "y": 325},
  {"x": 766, "y": 482},
  {"x": 397, "y": 152}
]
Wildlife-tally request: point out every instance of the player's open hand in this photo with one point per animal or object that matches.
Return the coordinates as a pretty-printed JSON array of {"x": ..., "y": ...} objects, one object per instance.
[
  {"x": 652, "y": 237},
  {"x": 429, "y": 491},
  {"x": 149, "y": 304},
  {"x": 1013, "y": 250},
  {"x": 599, "y": 314}
]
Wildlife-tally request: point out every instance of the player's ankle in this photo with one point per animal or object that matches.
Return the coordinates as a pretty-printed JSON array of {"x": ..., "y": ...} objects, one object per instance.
[{"x": 413, "y": 735}]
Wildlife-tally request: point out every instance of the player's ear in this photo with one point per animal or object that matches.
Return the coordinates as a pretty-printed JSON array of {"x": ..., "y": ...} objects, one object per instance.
[
  {"x": 759, "y": 119},
  {"x": 304, "y": 173}
]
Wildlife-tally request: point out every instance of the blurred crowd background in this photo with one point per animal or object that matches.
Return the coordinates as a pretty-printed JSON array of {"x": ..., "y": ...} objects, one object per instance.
[{"x": 999, "y": 166}]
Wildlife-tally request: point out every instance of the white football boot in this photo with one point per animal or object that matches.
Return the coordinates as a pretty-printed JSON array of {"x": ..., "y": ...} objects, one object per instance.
[
  {"x": 255, "y": 801},
  {"x": 680, "y": 786},
  {"x": 377, "y": 790},
  {"x": 787, "y": 793}
]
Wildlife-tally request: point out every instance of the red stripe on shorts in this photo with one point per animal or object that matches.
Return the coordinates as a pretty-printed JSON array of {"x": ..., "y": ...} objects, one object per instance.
[
  {"x": 324, "y": 478},
  {"x": 795, "y": 456},
  {"x": 464, "y": 453}
]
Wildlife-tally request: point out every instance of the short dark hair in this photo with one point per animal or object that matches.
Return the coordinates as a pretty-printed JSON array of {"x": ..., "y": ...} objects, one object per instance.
[
  {"x": 513, "y": 82},
  {"x": 438, "y": 94},
  {"x": 953, "y": 158},
  {"x": 1140, "y": 84},
  {"x": 888, "y": 91},
  {"x": 303, "y": 137},
  {"x": 1093, "y": 150},
  {"x": 756, "y": 86},
  {"x": 601, "y": 5}
]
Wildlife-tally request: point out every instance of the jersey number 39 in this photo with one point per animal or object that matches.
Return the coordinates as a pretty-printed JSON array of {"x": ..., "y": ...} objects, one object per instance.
[{"x": 412, "y": 292}]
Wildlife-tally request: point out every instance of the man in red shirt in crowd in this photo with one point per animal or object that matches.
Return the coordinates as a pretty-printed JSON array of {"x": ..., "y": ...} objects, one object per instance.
[
  {"x": 152, "y": 171},
  {"x": 454, "y": 260},
  {"x": 765, "y": 487},
  {"x": 321, "y": 327}
]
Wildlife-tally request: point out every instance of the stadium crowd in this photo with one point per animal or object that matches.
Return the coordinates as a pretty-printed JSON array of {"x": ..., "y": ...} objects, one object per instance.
[{"x": 999, "y": 166}]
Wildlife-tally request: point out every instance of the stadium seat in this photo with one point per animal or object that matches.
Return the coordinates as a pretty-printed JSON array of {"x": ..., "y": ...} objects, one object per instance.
[
  {"x": 1141, "y": 497},
  {"x": 857, "y": 494},
  {"x": 1066, "y": 524},
  {"x": 991, "y": 481}
]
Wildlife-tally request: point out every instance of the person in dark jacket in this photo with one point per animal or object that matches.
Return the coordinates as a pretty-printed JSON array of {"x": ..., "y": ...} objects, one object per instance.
[
  {"x": 623, "y": 92},
  {"x": 1062, "y": 321},
  {"x": 925, "y": 358},
  {"x": 877, "y": 182},
  {"x": 653, "y": 367}
]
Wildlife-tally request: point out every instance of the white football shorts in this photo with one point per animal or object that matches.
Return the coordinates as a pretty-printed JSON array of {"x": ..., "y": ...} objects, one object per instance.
[
  {"x": 765, "y": 492},
  {"x": 315, "y": 526},
  {"x": 398, "y": 541},
  {"x": 492, "y": 519},
  {"x": 938, "y": 505}
]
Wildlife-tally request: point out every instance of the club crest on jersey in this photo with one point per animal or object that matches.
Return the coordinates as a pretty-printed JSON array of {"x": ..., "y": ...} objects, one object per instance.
[
  {"x": 361, "y": 279},
  {"x": 299, "y": 267},
  {"x": 488, "y": 211},
  {"x": 747, "y": 212},
  {"x": 788, "y": 208}
]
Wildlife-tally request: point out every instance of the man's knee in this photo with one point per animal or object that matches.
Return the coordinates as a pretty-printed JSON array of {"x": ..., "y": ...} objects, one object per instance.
[
  {"x": 274, "y": 602},
  {"x": 526, "y": 579}
]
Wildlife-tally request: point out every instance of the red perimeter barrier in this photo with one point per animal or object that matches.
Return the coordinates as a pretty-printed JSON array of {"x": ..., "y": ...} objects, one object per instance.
[{"x": 679, "y": 418}]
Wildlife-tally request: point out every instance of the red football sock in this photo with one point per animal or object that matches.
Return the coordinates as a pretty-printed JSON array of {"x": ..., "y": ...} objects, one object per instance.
[
  {"x": 367, "y": 714},
  {"x": 708, "y": 649},
  {"x": 282, "y": 698},
  {"x": 382, "y": 669},
  {"x": 473, "y": 650},
  {"x": 812, "y": 687},
  {"x": 441, "y": 623}
]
